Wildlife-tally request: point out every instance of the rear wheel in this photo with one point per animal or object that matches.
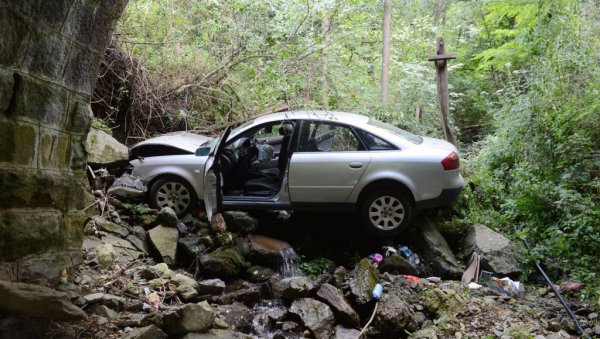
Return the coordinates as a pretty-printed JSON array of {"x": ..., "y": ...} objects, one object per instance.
[
  {"x": 386, "y": 212},
  {"x": 174, "y": 192}
]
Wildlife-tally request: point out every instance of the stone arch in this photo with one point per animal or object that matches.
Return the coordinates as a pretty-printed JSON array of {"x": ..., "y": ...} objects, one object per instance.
[{"x": 50, "y": 54}]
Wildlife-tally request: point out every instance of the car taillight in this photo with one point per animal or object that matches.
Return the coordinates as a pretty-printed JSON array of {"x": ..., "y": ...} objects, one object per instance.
[{"x": 451, "y": 162}]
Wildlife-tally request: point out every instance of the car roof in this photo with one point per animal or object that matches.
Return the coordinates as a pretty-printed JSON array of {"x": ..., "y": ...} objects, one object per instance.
[
  {"x": 183, "y": 140},
  {"x": 348, "y": 118}
]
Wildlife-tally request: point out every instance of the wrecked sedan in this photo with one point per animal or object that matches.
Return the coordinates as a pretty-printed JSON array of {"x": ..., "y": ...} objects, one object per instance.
[{"x": 305, "y": 160}]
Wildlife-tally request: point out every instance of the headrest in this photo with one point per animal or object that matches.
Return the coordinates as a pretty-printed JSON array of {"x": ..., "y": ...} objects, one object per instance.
[{"x": 286, "y": 129}]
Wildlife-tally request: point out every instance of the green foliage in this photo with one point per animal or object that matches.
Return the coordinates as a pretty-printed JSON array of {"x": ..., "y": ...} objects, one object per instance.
[
  {"x": 315, "y": 267},
  {"x": 99, "y": 124}
]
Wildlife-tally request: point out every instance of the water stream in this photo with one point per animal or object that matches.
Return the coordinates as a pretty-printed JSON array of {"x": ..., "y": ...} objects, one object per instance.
[{"x": 289, "y": 263}]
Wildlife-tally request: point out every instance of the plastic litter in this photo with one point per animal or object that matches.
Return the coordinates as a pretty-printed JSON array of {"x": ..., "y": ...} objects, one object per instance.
[
  {"x": 152, "y": 299},
  {"x": 377, "y": 291},
  {"x": 570, "y": 286},
  {"x": 413, "y": 280},
  {"x": 506, "y": 286},
  {"x": 435, "y": 280},
  {"x": 127, "y": 186},
  {"x": 389, "y": 250},
  {"x": 376, "y": 258},
  {"x": 412, "y": 257},
  {"x": 474, "y": 286}
]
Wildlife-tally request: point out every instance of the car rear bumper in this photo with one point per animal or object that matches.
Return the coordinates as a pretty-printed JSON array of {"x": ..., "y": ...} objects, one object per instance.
[{"x": 447, "y": 196}]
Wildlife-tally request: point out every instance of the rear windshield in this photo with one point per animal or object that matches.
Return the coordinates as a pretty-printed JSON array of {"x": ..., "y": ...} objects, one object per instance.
[{"x": 415, "y": 139}]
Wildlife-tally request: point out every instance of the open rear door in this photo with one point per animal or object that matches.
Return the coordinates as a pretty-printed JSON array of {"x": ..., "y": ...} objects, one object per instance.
[{"x": 213, "y": 194}]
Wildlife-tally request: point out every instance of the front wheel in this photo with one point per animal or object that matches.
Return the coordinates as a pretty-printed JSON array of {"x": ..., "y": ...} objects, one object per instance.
[
  {"x": 386, "y": 212},
  {"x": 174, "y": 192}
]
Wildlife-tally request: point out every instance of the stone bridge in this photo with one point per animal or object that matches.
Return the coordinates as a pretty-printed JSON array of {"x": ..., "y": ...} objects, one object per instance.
[{"x": 50, "y": 54}]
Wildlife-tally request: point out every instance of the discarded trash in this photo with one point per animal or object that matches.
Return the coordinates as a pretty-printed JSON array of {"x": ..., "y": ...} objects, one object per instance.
[
  {"x": 376, "y": 258},
  {"x": 377, "y": 291},
  {"x": 485, "y": 276},
  {"x": 570, "y": 286},
  {"x": 413, "y": 280},
  {"x": 474, "y": 286},
  {"x": 412, "y": 257},
  {"x": 151, "y": 298},
  {"x": 472, "y": 272},
  {"x": 127, "y": 186},
  {"x": 505, "y": 286},
  {"x": 435, "y": 280},
  {"x": 389, "y": 250}
]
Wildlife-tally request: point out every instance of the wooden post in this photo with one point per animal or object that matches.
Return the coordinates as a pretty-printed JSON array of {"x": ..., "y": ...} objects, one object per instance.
[{"x": 441, "y": 61}]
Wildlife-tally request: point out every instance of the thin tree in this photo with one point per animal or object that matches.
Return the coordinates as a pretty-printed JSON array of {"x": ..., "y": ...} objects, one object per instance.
[
  {"x": 325, "y": 23},
  {"x": 385, "y": 64}
]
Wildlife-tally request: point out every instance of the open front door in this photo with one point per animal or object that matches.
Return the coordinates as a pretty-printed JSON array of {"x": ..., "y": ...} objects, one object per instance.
[{"x": 213, "y": 183}]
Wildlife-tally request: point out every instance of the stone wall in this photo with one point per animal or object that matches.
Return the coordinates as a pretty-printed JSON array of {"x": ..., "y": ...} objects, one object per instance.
[{"x": 50, "y": 51}]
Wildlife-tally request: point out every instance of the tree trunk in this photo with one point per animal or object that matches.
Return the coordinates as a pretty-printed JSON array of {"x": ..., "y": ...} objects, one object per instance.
[
  {"x": 325, "y": 59},
  {"x": 442, "y": 87},
  {"x": 385, "y": 67}
]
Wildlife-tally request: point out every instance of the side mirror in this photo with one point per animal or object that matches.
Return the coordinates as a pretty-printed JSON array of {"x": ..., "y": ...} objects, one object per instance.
[{"x": 202, "y": 151}]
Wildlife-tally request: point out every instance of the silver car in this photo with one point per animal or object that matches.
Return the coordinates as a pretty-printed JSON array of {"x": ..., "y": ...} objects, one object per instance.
[{"x": 305, "y": 160}]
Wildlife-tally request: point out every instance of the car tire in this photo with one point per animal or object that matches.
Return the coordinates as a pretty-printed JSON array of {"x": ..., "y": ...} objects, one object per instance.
[
  {"x": 386, "y": 212},
  {"x": 174, "y": 192}
]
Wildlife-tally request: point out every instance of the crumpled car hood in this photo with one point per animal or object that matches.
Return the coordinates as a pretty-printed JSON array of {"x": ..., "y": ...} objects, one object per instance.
[{"x": 183, "y": 140}]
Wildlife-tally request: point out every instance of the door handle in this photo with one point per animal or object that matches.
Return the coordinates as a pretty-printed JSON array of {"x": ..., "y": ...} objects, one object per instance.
[{"x": 355, "y": 164}]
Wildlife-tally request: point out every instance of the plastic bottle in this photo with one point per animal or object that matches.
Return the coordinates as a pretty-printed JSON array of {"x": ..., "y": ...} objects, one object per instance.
[{"x": 377, "y": 291}]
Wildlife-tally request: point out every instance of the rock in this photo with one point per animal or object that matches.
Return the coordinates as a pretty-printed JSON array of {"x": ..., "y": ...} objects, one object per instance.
[
  {"x": 148, "y": 332},
  {"x": 258, "y": 273},
  {"x": 249, "y": 295},
  {"x": 237, "y": 315},
  {"x": 597, "y": 330},
  {"x": 105, "y": 254},
  {"x": 334, "y": 298},
  {"x": 426, "y": 333},
  {"x": 266, "y": 250},
  {"x": 339, "y": 276},
  {"x": 345, "y": 333},
  {"x": 112, "y": 301},
  {"x": 211, "y": 286},
  {"x": 397, "y": 264},
  {"x": 48, "y": 266},
  {"x": 164, "y": 240},
  {"x": 394, "y": 315},
  {"x": 217, "y": 334},
  {"x": 498, "y": 254},
  {"x": 110, "y": 227},
  {"x": 436, "y": 251},
  {"x": 167, "y": 217},
  {"x": 189, "y": 249},
  {"x": 362, "y": 281},
  {"x": 102, "y": 148},
  {"x": 37, "y": 301},
  {"x": 225, "y": 263},
  {"x": 188, "y": 318},
  {"x": 125, "y": 250},
  {"x": 217, "y": 223},
  {"x": 103, "y": 311},
  {"x": 139, "y": 244},
  {"x": 315, "y": 315},
  {"x": 593, "y": 316},
  {"x": 187, "y": 287},
  {"x": 18, "y": 327},
  {"x": 440, "y": 301},
  {"x": 240, "y": 222},
  {"x": 291, "y": 288}
]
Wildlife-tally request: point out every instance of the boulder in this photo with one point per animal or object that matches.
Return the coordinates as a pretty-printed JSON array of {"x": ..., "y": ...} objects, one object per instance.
[
  {"x": 266, "y": 250},
  {"x": 139, "y": 244},
  {"x": 435, "y": 251},
  {"x": 19, "y": 327},
  {"x": 125, "y": 250},
  {"x": 397, "y": 264},
  {"x": 148, "y": 332},
  {"x": 248, "y": 294},
  {"x": 217, "y": 223},
  {"x": 103, "y": 311},
  {"x": 211, "y": 286},
  {"x": 38, "y": 302},
  {"x": 217, "y": 334},
  {"x": 187, "y": 287},
  {"x": 102, "y": 148},
  {"x": 189, "y": 248},
  {"x": 164, "y": 240},
  {"x": 315, "y": 315},
  {"x": 498, "y": 254},
  {"x": 237, "y": 315},
  {"x": 258, "y": 273},
  {"x": 291, "y": 288},
  {"x": 111, "y": 301},
  {"x": 336, "y": 300},
  {"x": 362, "y": 281},
  {"x": 167, "y": 217},
  {"x": 188, "y": 318},
  {"x": 105, "y": 254},
  {"x": 394, "y": 315},
  {"x": 339, "y": 276},
  {"x": 426, "y": 333},
  {"x": 224, "y": 263},
  {"x": 110, "y": 227},
  {"x": 345, "y": 333},
  {"x": 48, "y": 266},
  {"x": 240, "y": 222},
  {"x": 439, "y": 301}
]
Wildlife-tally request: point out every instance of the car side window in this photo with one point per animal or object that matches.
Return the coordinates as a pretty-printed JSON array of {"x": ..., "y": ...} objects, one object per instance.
[
  {"x": 374, "y": 143},
  {"x": 316, "y": 136}
]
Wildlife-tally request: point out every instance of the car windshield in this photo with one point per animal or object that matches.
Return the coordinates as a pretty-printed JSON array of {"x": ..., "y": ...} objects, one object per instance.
[
  {"x": 415, "y": 139},
  {"x": 213, "y": 142}
]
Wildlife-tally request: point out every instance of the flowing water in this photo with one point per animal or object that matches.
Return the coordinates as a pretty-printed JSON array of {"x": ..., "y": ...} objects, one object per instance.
[{"x": 289, "y": 263}]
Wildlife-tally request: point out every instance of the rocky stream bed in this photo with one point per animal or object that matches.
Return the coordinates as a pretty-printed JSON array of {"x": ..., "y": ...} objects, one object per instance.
[{"x": 147, "y": 274}]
